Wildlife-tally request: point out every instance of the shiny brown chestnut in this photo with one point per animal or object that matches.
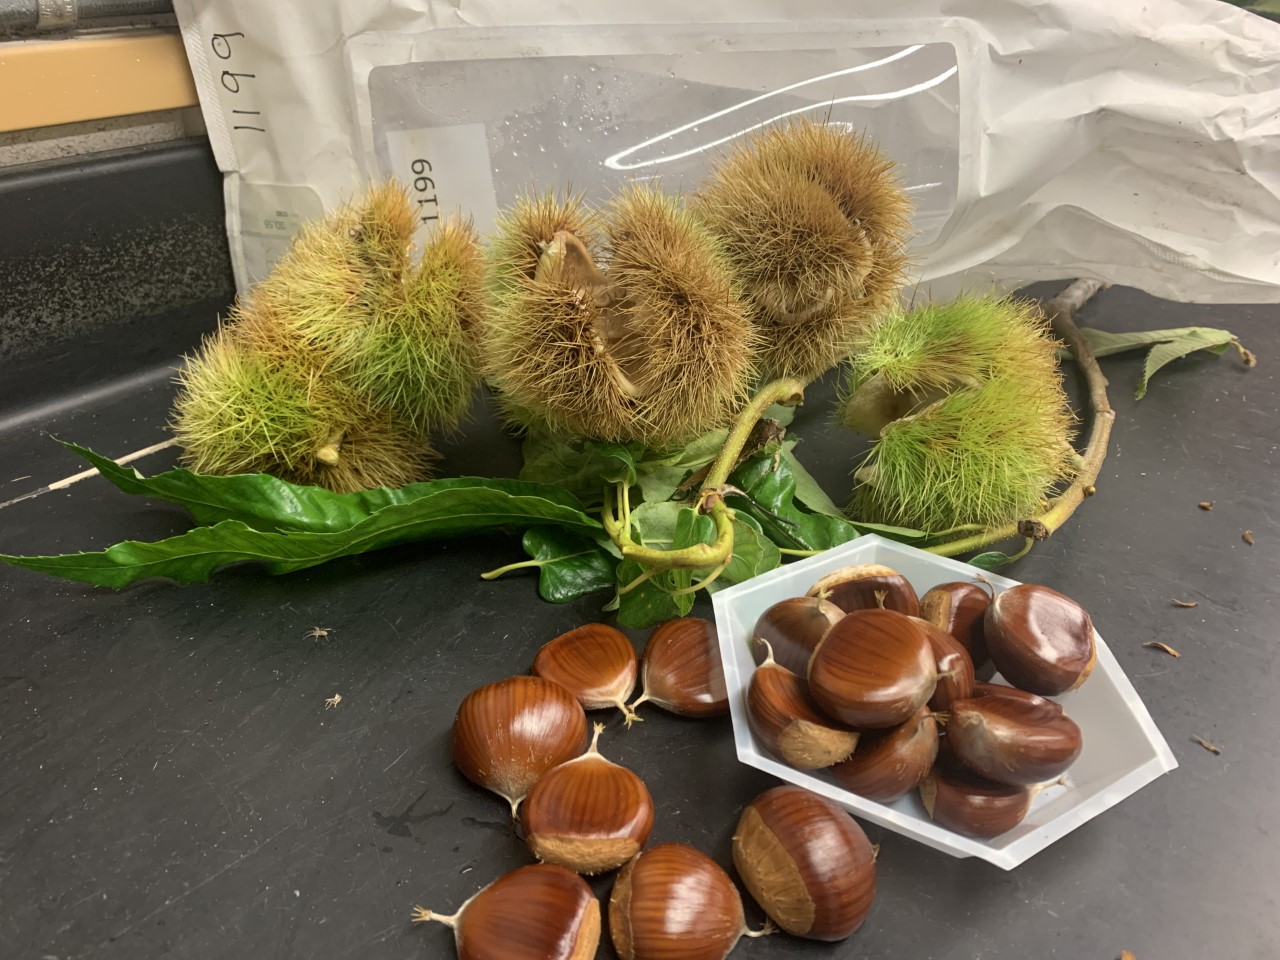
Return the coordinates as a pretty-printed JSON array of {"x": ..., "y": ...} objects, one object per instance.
[
  {"x": 681, "y": 669},
  {"x": 539, "y": 912},
  {"x": 959, "y": 608},
  {"x": 673, "y": 902},
  {"x": 588, "y": 814},
  {"x": 868, "y": 586},
  {"x": 595, "y": 662},
  {"x": 983, "y": 688},
  {"x": 793, "y": 628},
  {"x": 807, "y": 863},
  {"x": 788, "y": 724},
  {"x": 1039, "y": 639},
  {"x": 957, "y": 798},
  {"x": 955, "y": 668},
  {"x": 874, "y": 669},
  {"x": 891, "y": 763},
  {"x": 508, "y": 734},
  {"x": 1011, "y": 740}
]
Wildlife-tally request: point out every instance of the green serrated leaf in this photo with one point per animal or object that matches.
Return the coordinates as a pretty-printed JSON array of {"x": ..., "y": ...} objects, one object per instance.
[
  {"x": 648, "y": 603},
  {"x": 691, "y": 528},
  {"x": 659, "y": 481},
  {"x": 665, "y": 526},
  {"x": 268, "y": 503},
  {"x": 568, "y": 565},
  {"x": 655, "y": 523},
  {"x": 1164, "y": 353},
  {"x": 1106, "y": 342},
  {"x": 193, "y": 556},
  {"x": 1166, "y": 346},
  {"x": 660, "y": 474}
]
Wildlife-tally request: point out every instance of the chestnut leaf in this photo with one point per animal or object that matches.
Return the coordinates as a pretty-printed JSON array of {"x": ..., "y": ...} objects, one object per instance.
[{"x": 568, "y": 565}]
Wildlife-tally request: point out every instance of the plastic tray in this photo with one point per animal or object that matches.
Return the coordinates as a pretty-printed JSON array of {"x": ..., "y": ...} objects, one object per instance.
[{"x": 1123, "y": 750}]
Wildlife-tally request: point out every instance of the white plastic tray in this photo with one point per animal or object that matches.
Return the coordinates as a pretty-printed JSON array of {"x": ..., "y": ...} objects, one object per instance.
[{"x": 1123, "y": 750}]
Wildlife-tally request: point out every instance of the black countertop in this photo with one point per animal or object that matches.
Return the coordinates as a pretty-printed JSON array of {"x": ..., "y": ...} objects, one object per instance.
[{"x": 171, "y": 784}]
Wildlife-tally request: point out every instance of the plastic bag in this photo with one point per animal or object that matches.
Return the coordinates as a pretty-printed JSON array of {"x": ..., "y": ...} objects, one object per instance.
[{"x": 1040, "y": 140}]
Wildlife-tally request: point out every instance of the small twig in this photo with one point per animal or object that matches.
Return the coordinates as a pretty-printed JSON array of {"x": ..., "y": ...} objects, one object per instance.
[
  {"x": 1206, "y": 504},
  {"x": 1247, "y": 537},
  {"x": 1163, "y": 647},
  {"x": 765, "y": 431},
  {"x": 1061, "y": 313},
  {"x": 1185, "y": 603},
  {"x": 1211, "y": 747}
]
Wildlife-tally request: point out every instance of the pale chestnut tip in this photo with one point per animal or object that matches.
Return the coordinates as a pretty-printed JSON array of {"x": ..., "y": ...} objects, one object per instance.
[{"x": 329, "y": 455}]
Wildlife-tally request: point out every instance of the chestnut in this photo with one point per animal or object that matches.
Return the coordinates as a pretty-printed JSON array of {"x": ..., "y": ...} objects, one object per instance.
[
  {"x": 1039, "y": 639},
  {"x": 957, "y": 798},
  {"x": 793, "y": 627},
  {"x": 806, "y": 862},
  {"x": 959, "y": 608},
  {"x": 888, "y": 764},
  {"x": 1013, "y": 740},
  {"x": 868, "y": 586},
  {"x": 955, "y": 668},
  {"x": 874, "y": 669},
  {"x": 784, "y": 719}
]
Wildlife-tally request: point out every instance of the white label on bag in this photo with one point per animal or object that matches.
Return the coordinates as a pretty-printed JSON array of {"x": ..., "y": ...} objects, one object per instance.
[
  {"x": 447, "y": 171},
  {"x": 270, "y": 215}
]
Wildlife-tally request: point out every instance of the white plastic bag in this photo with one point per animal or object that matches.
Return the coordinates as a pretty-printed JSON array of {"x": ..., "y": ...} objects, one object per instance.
[{"x": 1135, "y": 143}]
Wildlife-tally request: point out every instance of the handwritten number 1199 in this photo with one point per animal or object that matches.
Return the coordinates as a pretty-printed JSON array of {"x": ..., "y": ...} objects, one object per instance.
[{"x": 425, "y": 189}]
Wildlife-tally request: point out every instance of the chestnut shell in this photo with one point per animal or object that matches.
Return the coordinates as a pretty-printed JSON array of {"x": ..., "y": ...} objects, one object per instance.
[
  {"x": 873, "y": 670},
  {"x": 960, "y": 609},
  {"x": 890, "y": 763},
  {"x": 794, "y": 627},
  {"x": 1040, "y": 640},
  {"x": 806, "y": 862}
]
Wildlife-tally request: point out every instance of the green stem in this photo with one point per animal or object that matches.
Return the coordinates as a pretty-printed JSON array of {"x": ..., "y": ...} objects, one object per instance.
[
  {"x": 522, "y": 565},
  {"x": 1026, "y": 548},
  {"x": 798, "y": 553},
  {"x": 701, "y": 584},
  {"x": 789, "y": 392},
  {"x": 643, "y": 578},
  {"x": 700, "y": 556}
]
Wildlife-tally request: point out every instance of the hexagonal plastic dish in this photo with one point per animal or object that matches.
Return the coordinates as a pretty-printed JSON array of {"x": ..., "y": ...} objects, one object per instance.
[{"x": 1123, "y": 749}]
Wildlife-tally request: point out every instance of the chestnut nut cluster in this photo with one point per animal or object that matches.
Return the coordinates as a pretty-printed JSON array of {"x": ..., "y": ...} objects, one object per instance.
[
  {"x": 861, "y": 678},
  {"x": 864, "y": 679},
  {"x": 805, "y": 860}
]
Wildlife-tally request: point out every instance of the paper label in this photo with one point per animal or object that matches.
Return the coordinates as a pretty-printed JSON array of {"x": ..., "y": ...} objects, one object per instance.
[
  {"x": 447, "y": 170},
  {"x": 270, "y": 214}
]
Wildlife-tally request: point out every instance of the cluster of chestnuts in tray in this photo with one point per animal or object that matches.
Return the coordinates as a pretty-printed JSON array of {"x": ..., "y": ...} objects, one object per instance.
[
  {"x": 864, "y": 679},
  {"x": 860, "y": 677},
  {"x": 805, "y": 861}
]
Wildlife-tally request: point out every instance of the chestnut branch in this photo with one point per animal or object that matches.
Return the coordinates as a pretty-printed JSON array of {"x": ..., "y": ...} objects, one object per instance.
[
  {"x": 616, "y": 514},
  {"x": 1061, "y": 312}
]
